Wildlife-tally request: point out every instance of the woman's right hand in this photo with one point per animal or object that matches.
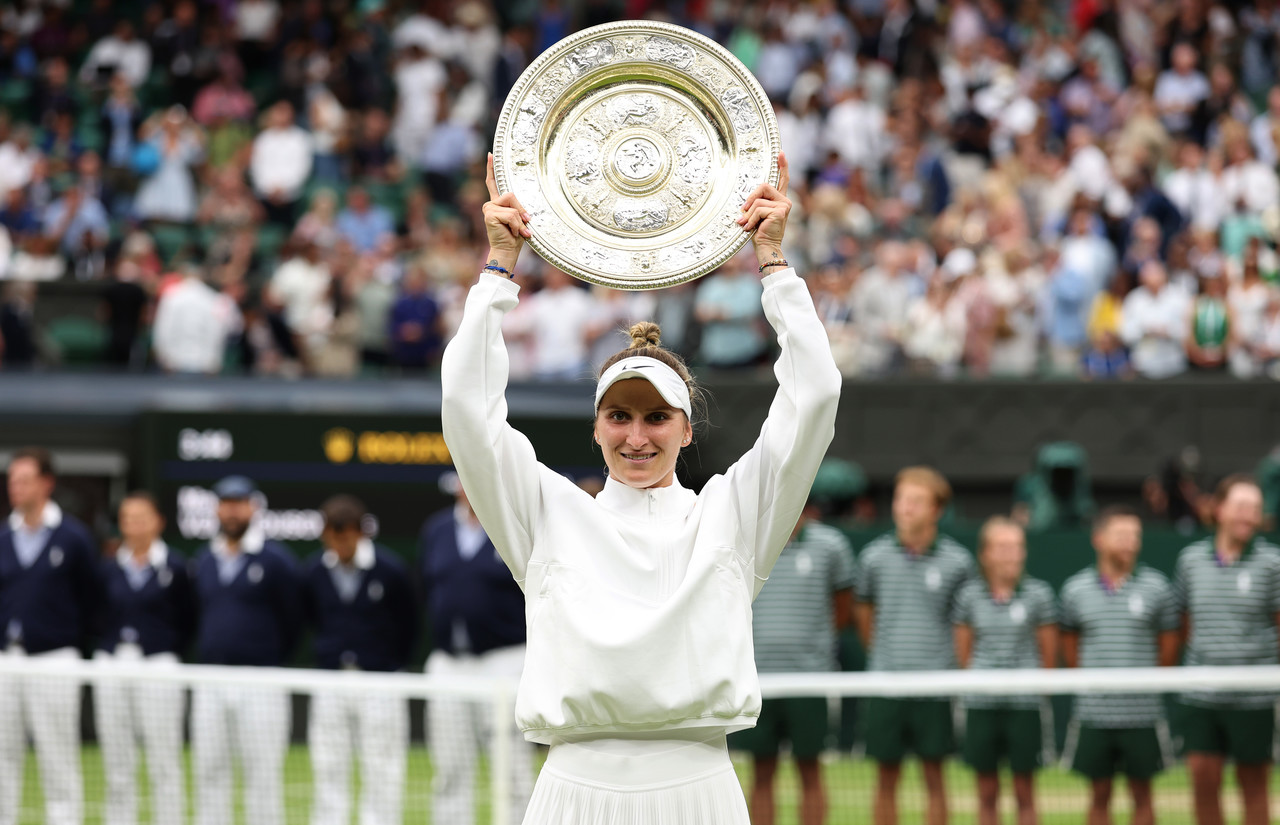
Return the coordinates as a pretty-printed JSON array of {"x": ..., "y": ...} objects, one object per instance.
[{"x": 506, "y": 223}]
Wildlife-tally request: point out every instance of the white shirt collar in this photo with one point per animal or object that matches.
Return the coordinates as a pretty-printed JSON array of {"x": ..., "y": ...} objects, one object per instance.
[
  {"x": 670, "y": 500},
  {"x": 157, "y": 554},
  {"x": 51, "y": 517},
  {"x": 250, "y": 543},
  {"x": 363, "y": 560}
]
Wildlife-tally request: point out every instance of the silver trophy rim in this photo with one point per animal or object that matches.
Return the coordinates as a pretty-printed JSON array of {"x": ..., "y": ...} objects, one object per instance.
[{"x": 650, "y": 27}]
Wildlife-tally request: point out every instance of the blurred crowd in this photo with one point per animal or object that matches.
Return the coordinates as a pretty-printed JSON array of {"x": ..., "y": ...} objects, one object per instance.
[{"x": 1084, "y": 188}]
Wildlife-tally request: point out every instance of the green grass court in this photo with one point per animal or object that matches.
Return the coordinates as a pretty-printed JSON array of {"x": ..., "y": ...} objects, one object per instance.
[{"x": 1062, "y": 796}]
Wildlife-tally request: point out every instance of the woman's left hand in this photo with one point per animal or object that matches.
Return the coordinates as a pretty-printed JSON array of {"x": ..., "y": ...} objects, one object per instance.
[{"x": 765, "y": 213}]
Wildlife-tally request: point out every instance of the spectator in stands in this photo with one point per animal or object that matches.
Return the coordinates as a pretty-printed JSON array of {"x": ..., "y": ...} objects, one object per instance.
[
  {"x": 934, "y": 331},
  {"x": 1118, "y": 613},
  {"x": 191, "y": 326},
  {"x": 249, "y": 597},
  {"x": 297, "y": 294},
  {"x": 363, "y": 223},
  {"x": 22, "y": 221},
  {"x": 907, "y": 582},
  {"x": 1247, "y": 298},
  {"x": 1005, "y": 619},
  {"x": 1154, "y": 324},
  {"x": 1268, "y": 347},
  {"x": 1211, "y": 328},
  {"x": 1263, "y": 130},
  {"x": 560, "y": 315},
  {"x": 18, "y": 157},
  {"x": 807, "y": 600},
  {"x": 728, "y": 308},
  {"x": 17, "y": 329},
  {"x": 257, "y": 31},
  {"x": 229, "y": 203},
  {"x": 50, "y": 594},
  {"x": 361, "y": 608},
  {"x": 77, "y": 223},
  {"x": 1180, "y": 89},
  {"x": 1227, "y": 588},
  {"x": 415, "y": 323},
  {"x": 1069, "y": 296},
  {"x": 124, "y": 303},
  {"x": 225, "y": 109},
  {"x": 1192, "y": 188},
  {"x": 476, "y": 612},
  {"x": 319, "y": 225},
  {"x": 280, "y": 164},
  {"x": 148, "y": 620},
  {"x": 420, "y": 78},
  {"x": 122, "y": 52},
  {"x": 59, "y": 144},
  {"x": 169, "y": 194},
  {"x": 372, "y": 154}
]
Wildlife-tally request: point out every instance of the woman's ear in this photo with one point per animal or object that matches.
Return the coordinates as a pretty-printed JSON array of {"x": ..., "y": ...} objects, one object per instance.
[{"x": 688, "y": 434}]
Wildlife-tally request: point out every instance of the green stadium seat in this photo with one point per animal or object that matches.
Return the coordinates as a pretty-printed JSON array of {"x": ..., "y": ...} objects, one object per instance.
[
  {"x": 170, "y": 240},
  {"x": 77, "y": 340},
  {"x": 15, "y": 97},
  {"x": 270, "y": 238}
]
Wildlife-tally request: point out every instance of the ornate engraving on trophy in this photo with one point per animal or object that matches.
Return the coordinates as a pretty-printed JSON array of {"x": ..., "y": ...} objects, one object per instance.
[
  {"x": 663, "y": 50},
  {"x": 583, "y": 161},
  {"x": 638, "y": 160},
  {"x": 740, "y": 108},
  {"x": 585, "y": 58},
  {"x": 528, "y": 121},
  {"x": 695, "y": 160},
  {"x": 634, "y": 109},
  {"x": 640, "y": 216}
]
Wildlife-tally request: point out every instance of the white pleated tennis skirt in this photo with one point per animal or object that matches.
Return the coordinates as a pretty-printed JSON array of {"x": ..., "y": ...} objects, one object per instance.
[{"x": 638, "y": 782}]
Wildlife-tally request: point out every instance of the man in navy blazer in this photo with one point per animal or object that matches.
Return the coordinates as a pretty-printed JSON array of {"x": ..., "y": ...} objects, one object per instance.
[
  {"x": 249, "y": 597},
  {"x": 148, "y": 618},
  {"x": 476, "y": 613},
  {"x": 50, "y": 592},
  {"x": 363, "y": 612}
]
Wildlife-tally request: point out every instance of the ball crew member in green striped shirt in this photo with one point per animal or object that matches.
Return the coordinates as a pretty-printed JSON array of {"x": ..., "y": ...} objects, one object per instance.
[
  {"x": 1228, "y": 589},
  {"x": 1005, "y": 619},
  {"x": 907, "y": 582},
  {"x": 794, "y": 620},
  {"x": 1118, "y": 614}
]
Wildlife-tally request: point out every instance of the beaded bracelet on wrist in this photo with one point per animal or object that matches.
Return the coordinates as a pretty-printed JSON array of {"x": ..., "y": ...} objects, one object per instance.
[
  {"x": 782, "y": 262},
  {"x": 503, "y": 270}
]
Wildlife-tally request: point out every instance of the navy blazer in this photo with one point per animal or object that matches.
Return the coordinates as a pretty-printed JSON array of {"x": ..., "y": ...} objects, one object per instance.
[
  {"x": 57, "y": 598},
  {"x": 479, "y": 592},
  {"x": 376, "y": 630},
  {"x": 257, "y": 617},
  {"x": 159, "y": 617}
]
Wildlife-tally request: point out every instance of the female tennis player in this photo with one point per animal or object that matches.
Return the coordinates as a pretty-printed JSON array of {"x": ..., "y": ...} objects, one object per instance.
[{"x": 638, "y": 602}]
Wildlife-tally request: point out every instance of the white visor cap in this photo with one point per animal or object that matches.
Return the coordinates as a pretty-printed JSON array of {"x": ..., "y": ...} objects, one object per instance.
[{"x": 664, "y": 379}]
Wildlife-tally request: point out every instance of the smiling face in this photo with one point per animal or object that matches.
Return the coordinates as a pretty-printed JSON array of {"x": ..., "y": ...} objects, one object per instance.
[
  {"x": 1240, "y": 512},
  {"x": 640, "y": 434}
]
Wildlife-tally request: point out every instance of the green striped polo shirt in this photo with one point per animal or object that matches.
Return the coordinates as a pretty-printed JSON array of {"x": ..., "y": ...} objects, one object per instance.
[
  {"x": 1119, "y": 628},
  {"x": 1232, "y": 609},
  {"x": 793, "y": 618},
  {"x": 913, "y": 594},
  {"x": 1004, "y": 633}
]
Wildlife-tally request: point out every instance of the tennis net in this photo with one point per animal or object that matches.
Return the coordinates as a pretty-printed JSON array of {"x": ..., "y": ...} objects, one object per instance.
[{"x": 152, "y": 741}]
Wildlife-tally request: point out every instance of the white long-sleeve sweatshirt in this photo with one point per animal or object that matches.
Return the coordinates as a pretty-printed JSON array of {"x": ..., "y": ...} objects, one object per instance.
[{"x": 638, "y": 602}]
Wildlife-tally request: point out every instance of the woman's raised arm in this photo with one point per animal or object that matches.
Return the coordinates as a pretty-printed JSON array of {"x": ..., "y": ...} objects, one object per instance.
[
  {"x": 496, "y": 464},
  {"x": 771, "y": 482}
]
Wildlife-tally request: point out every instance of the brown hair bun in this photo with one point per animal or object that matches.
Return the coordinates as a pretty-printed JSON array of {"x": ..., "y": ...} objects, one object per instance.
[{"x": 645, "y": 334}]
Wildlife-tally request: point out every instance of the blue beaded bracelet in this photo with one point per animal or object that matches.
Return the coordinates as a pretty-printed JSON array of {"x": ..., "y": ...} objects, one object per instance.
[{"x": 503, "y": 270}]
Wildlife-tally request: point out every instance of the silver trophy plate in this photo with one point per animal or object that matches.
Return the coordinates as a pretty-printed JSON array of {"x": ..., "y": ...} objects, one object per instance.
[{"x": 633, "y": 146}]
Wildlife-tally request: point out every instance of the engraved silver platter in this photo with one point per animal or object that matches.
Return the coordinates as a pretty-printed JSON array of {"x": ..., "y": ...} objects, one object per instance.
[{"x": 633, "y": 146}]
